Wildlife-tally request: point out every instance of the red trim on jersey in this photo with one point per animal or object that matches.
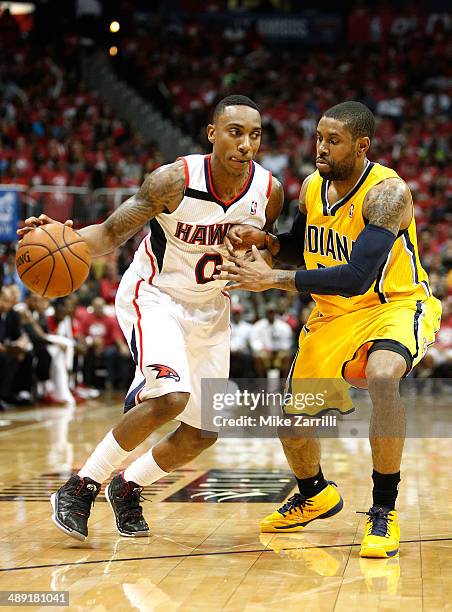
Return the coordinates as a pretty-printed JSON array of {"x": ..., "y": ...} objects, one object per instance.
[
  {"x": 226, "y": 295},
  {"x": 140, "y": 333},
  {"x": 270, "y": 182},
  {"x": 151, "y": 278},
  {"x": 187, "y": 175},
  {"x": 242, "y": 191}
]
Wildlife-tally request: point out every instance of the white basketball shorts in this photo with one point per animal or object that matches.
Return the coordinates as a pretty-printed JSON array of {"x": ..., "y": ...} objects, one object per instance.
[{"x": 174, "y": 343}]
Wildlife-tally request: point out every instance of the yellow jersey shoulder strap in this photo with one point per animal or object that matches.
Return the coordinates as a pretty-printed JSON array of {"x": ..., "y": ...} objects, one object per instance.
[
  {"x": 379, "y": 173},
  {"x": 316, "y": 192},
  {"x": 313, "y": 189}
]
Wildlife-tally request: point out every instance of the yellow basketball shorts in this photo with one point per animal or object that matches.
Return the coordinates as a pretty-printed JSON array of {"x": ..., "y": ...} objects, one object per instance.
[{"x": 333, "y": 350}]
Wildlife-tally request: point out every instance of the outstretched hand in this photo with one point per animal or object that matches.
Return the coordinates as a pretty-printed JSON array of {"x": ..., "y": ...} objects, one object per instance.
[
  {"x": 33, "y": 222},
  {"x": 242, "y": 236},
  {"x": 247, "y": 274}
]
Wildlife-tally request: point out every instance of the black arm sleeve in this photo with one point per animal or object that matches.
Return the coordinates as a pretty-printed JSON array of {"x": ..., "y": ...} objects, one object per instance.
[
  {"x": 291, "y": 244},
  {"x": 368, "y": 255}
]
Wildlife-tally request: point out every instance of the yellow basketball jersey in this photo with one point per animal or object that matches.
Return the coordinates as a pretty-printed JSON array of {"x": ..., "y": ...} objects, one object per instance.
[{"x": 331, "y": 231}]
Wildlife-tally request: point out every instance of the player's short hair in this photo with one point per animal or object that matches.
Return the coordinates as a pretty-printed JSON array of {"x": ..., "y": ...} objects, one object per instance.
[
  {"x": 235, "y": 100},
  {"x": 357, "y": 117}
]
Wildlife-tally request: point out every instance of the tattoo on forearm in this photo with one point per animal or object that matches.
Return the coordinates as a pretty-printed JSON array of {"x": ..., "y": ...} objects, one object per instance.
[
  {"x": 285, "y": 280},
  {"x": 385, "y": 206},
  {"x": 161, "y": 190},
  {"x": 129, "y": 218}
]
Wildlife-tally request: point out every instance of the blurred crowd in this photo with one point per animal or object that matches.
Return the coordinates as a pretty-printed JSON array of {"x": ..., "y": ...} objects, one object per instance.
[
  {"x": 54, "y": 132},
  {"x": 395, "y": 61},
  {"x": 59, "y": 353}
]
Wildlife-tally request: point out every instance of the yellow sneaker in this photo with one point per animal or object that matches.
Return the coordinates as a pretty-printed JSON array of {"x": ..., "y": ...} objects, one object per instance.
[
  {"x": 382, "y": 534},
  {"x": 298, "y": 511}
]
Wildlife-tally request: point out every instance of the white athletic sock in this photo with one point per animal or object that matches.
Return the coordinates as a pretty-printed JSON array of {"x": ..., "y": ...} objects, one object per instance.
[
  {"x": 107, "y": 457},
  {"x": 144, "y": 470}
]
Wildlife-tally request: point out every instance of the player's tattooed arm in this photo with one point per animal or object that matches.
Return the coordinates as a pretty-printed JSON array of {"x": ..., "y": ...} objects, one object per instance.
[
  {"x": 389, "y": 205},
  {"x": 161, "y": 191},
  {"x": 254, "y": 274},
  {"x": 284, "y": 280}
]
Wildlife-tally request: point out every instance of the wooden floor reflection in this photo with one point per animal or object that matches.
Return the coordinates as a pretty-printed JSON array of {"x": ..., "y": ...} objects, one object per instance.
[{"x": 210, "y": 556}]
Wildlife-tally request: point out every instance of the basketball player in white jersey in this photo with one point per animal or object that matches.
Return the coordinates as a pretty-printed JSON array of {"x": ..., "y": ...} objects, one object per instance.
[{"x": 174, "y": 315}]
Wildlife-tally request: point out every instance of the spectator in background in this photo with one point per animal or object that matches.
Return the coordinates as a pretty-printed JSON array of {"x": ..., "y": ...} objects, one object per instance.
[
  {"x": 107, "y": 360},
  {"x": 23, "y": 378},
  {"x": 51, "y": 367},
  {"x": 87, "y": 292},
  {"x": 10, "y": 275},
  {"x": 442, "y": 349},
  {"x": 287, "y": 311},
  {"x": 13, "y": 348},
  {"x": 271, "y": 342},
  {"x": 77, "y": 313},
  {"x": 15, "y": 294},
  {"x": 438, "y": 361},
  {"x": 61, "y": 349},
  {"x": 109, "y": 282},
  {"x": 34, "y": 320},
  {"x": 446, "y": 255},
  {"x": 241, "y": 358}
]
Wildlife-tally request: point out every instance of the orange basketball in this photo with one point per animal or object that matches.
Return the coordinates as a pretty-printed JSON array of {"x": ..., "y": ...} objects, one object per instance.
[{"x": 53, "y": 260}]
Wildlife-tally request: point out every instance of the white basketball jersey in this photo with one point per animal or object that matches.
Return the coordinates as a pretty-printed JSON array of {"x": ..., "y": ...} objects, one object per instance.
[{"x": 183, "y": 248}]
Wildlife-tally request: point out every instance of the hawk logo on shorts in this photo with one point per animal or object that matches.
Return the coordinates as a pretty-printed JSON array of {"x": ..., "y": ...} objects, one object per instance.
[{"x": 164, "y": 371}]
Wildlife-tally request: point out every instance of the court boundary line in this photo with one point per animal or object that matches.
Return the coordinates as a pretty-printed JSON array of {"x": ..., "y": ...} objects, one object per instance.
[{"x": 201, "y": 554}]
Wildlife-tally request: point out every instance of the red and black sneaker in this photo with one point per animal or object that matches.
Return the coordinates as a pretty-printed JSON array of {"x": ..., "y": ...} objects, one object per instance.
[
  {"x": 124, "y": 498},
  {"x": 72, "y": 506}
]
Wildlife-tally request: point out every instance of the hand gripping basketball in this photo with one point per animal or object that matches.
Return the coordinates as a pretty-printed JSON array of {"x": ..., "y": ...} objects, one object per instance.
[{"x": 53, "y": 260}]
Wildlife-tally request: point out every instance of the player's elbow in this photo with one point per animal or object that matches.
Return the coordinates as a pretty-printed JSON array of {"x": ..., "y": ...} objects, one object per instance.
[
  {"x": 365, "y": 284},
  {"x": 358, "y": 285}
]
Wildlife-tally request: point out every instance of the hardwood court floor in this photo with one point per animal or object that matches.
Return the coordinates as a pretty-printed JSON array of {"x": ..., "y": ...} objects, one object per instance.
[{"x": 210, "y": 556}]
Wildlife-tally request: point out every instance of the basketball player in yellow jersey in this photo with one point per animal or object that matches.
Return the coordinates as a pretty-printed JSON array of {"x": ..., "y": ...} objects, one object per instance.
[{"x": 374, "y": 316}]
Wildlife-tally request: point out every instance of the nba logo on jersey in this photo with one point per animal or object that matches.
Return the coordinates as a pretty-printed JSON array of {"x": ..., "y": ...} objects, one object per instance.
[
  {"x": 253, "y": 208},
  {"x": 351, "y": 211}
]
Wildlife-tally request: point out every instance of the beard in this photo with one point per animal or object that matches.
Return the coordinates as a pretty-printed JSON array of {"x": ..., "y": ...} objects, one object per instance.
[{"x": 339, "y": 171}]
